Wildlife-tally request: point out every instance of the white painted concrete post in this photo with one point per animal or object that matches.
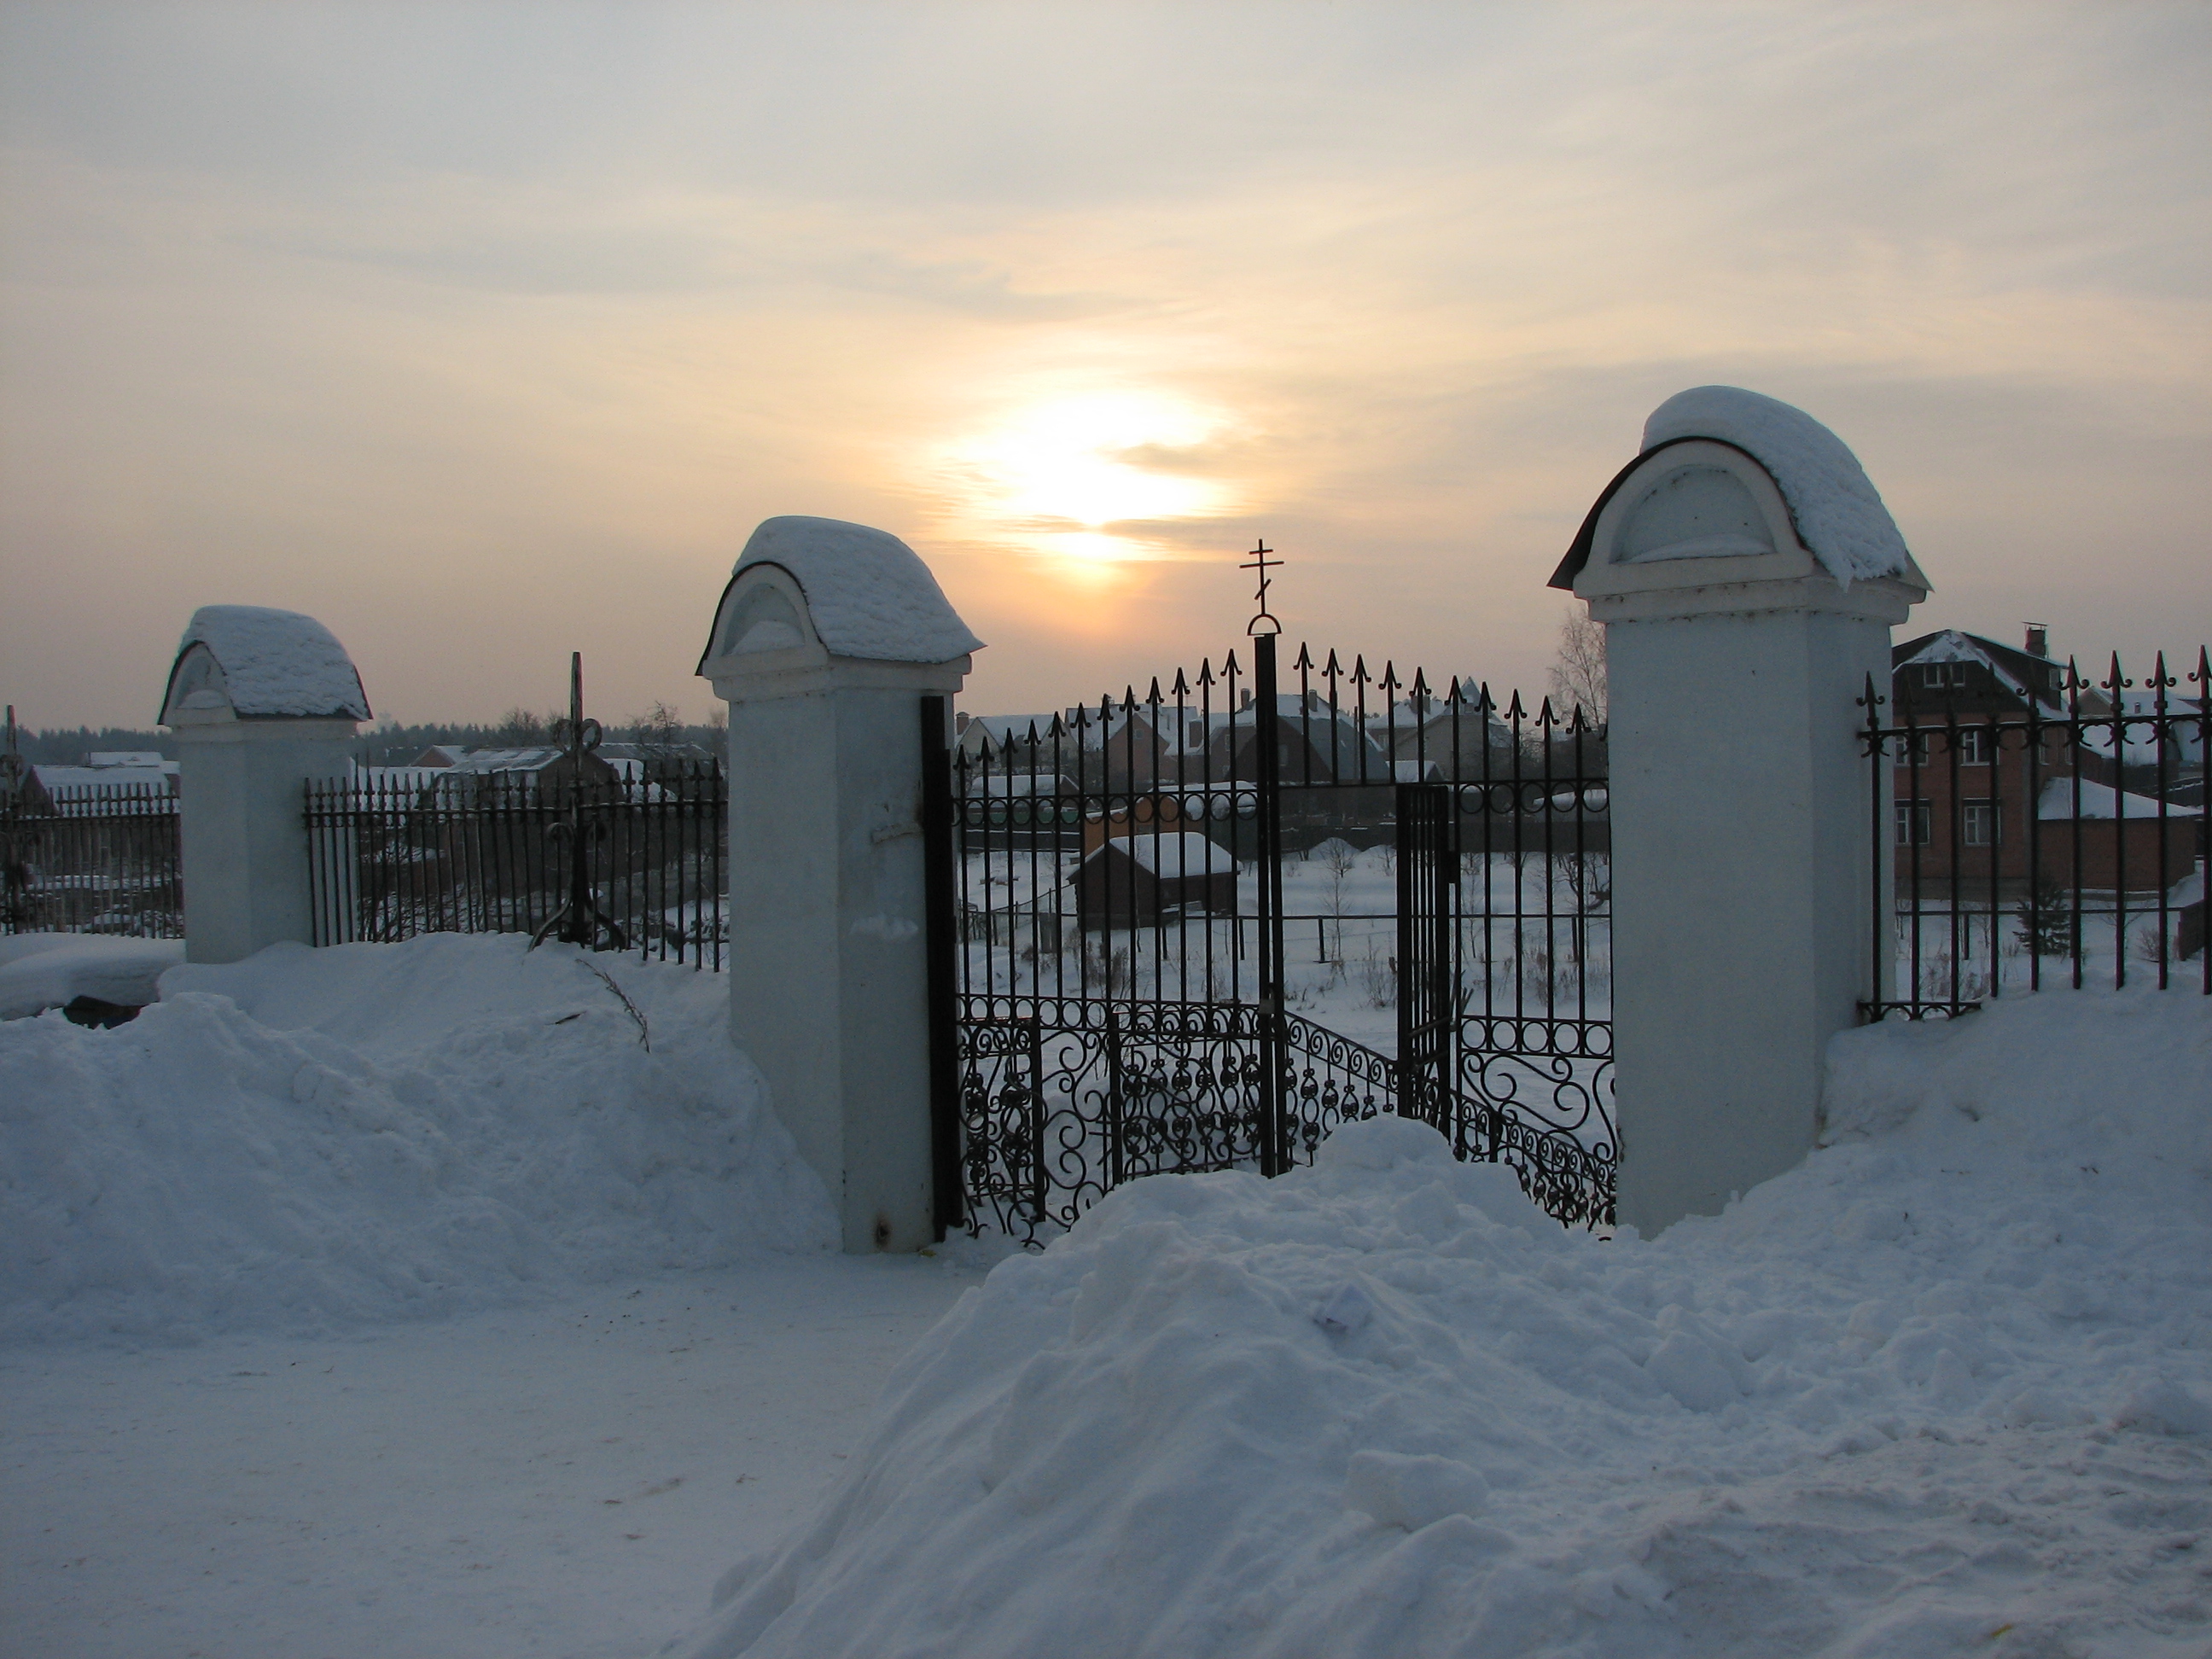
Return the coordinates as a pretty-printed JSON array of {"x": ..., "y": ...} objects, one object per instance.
[
  {"x": 825, "y": 641},
  {"x": 1741, "y": 802},
  {"x": 260, "y": 701}
]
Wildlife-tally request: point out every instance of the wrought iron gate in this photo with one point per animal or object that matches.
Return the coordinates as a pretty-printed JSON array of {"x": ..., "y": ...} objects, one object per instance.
[{"x": 1153, "y": 953}]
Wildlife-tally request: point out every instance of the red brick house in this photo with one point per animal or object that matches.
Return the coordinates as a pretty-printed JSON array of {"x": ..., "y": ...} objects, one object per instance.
[{"x": 1984, "y": 787}]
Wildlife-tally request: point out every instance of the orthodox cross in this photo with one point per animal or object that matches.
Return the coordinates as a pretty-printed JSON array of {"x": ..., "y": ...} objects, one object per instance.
[{"x": 1261, "y": 563}]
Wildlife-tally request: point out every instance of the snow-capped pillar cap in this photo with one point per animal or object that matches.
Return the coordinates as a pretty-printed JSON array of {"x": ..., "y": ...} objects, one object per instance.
[
  {"x": 807, "y": 593},
  {"x": 245, "y": 662},
  {"x": 1736, "y": 489}
]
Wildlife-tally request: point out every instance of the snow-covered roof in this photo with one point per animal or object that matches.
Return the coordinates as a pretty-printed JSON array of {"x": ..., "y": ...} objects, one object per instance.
[
  {"x": 1953, "y": 645},
  {"x": 2098, "y": 801},
  {"x": 1170, "y": 856},
  {"x": 103, "y": 757},
  {"x": 867, "y": 592},
  {"x": 161, "y": 776},
  {"x": 1839, "y": 512},
  {"x": 533, "y": 758},
  {"x": 260, "y": 663}
]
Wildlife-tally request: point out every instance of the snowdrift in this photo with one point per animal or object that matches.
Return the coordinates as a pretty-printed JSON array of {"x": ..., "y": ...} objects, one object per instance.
[
  {"x": 313, "y": 1139},
  {"x": 51, "y": 971},
  {"x": 1941, "y": 1390}
]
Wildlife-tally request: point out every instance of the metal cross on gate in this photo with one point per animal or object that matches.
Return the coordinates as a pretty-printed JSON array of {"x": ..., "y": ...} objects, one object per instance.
[{"x": 1261, "y": 563}]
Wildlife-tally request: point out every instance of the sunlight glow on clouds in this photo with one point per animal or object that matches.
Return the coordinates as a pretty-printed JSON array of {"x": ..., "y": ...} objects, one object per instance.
[
  {"x": 1052, "y": 475},
  {"x": 483, "y": 332}
]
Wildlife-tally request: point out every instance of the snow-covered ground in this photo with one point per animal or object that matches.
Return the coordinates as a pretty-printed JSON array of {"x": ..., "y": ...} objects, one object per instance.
[
  {"x": 51, "y": 971},
  {"x": 564, "y": 1480},
  {"x": 450, "y": 1299},
  {"x": 1945, "y": 1388},
  {"x": 444, "y": 1299}
]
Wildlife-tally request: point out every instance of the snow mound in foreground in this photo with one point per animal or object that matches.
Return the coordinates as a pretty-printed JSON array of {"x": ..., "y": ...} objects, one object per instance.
[
  {"x": 51, "y": 970},
  {"x": 315, "y": 1137},
  {"x": 1941, "y": 1389}
]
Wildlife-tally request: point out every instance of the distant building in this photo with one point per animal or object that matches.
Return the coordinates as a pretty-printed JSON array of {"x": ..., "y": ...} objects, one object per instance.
[
  {"x": 1982, "y": 782},
  {"x": 1133, "y": 881}
]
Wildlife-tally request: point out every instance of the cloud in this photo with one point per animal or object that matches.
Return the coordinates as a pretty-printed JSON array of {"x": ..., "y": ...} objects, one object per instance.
[{"x": 504, "y": 325}]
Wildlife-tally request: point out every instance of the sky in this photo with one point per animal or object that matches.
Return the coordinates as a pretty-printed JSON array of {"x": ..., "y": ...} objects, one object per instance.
[{"x": 485, "y": 332}]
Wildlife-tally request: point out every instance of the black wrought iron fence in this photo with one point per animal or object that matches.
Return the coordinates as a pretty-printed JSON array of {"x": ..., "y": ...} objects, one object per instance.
[
  {"x": 486, "y": 853},
  {"x": 1188, "y": 937},
  {"x": 2049, "y": 835},
  {"x": 91, "y": 859}
]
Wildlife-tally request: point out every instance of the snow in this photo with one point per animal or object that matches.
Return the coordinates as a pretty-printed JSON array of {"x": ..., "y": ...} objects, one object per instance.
[
  {"x": 51, "y": 971},
  {"x": 1943, "y": 1388},
  {"x": 226, "y": 1426},
  {"x": 1839, "y": 513},
  {"x": 273, "y": 662},
  {"x": 562, "y": 1480},
  {"x": 2100, "y": 800},
  {"x": 309, "y": 1140},
  {"x": 869, "y": 593}
]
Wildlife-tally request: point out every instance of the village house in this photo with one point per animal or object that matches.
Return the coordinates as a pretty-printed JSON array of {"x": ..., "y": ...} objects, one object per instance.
[{"x": 1988, "y": 797}]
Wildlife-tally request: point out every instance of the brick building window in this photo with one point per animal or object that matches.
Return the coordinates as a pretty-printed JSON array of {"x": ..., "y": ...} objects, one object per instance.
[
  {"x": 1978, "y": 823},
  {"x": 1916, "y": 822}
]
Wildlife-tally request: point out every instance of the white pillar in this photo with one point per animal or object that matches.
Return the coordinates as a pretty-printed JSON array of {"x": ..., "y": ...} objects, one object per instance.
[
  {"x": 1743, "y": 809},
  {"x": 826, "y": 639},
  {"x": 260, "y": 701}
]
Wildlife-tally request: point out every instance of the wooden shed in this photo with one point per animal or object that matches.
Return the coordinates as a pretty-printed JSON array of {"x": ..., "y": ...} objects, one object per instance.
[{"x": 1132, "y": 881}]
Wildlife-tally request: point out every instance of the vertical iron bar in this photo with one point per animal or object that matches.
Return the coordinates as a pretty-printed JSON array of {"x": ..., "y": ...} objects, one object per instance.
[
  {"x": 947, "y": 1207},
  {"x": 1272, "y": 979}
]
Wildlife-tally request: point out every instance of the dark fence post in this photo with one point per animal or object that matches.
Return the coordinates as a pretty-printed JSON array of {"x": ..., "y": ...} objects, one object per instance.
[
  {"x": 1274, "y": 1057},
  {"x": 941, "y": 942}
]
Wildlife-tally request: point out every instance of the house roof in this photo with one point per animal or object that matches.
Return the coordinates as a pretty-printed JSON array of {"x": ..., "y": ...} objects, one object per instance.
[
  {"x": 2017, "y": 672},
  {"x": 1168, "y": 856},
  {"x": 1834, "y": 508},
  {"x": 161, "y": 776}
]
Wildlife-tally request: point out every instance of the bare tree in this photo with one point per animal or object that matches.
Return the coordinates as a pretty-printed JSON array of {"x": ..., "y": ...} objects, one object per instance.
[
  {"x": 1578, "y": 667},
  {"x": 1338, "y": 858},
  {"x": 659, "y": 728},
  {"x": 520, "y": 728}
]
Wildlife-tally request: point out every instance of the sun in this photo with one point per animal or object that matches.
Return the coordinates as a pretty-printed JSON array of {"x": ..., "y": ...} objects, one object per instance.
[{"x": 1057, "y": 472}]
